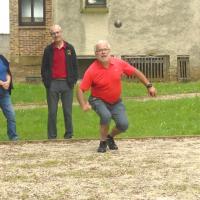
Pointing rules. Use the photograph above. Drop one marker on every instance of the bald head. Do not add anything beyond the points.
(56, 34)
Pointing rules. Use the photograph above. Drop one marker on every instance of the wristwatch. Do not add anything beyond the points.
(149, 85)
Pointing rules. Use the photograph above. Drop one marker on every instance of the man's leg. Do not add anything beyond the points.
(114, 132)
(52, 101)
(67, 100)
(104, 132)
(103, 137)
(120, 118)
(105, 117)
(9, 113)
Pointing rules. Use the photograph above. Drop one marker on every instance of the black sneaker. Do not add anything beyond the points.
(102, 147)
(111, 143)
(67, 136)
(15, 138)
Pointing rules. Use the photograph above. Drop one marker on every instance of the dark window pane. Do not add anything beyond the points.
(96, 2)
(38, 10)
(26, 10)
(31, 12)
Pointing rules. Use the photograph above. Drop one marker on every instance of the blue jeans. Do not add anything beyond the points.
(9, 113)
(106, 112)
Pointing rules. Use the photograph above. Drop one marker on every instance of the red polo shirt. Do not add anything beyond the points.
(59, 68)
(105, 83)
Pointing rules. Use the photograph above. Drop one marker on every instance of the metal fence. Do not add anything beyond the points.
(183, 70)
(155, 68)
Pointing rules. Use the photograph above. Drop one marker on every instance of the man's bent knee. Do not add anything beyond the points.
(105, 119)
(122, 126)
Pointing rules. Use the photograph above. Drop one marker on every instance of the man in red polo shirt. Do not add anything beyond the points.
(103, 77)
(59, 73)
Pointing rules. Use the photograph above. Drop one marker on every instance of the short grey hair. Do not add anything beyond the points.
(101, 42)
(55, 26)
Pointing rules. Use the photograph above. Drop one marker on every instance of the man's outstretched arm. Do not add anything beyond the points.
(146, 82)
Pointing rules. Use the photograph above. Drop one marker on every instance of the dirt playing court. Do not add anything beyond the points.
(145, 169)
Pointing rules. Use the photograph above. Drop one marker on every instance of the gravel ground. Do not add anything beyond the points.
(143, 169)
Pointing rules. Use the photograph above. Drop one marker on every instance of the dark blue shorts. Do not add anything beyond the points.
(107, 111)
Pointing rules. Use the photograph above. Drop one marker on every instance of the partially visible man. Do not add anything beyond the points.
(59, 73)
(5, 100)
(104, 78)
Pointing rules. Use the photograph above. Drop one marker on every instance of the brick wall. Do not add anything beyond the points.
(27, 41)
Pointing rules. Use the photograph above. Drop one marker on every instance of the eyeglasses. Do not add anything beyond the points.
(55, 33)
(102, 50)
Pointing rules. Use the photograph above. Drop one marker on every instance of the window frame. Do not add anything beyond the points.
(32, 23)
(95, 5)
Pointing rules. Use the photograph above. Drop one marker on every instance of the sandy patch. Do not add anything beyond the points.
(150, 169)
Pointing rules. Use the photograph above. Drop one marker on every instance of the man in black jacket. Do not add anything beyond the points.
(59, 73)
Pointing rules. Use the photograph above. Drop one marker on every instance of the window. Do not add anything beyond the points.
(95, 3)
(94, 6)
(183, 67)
(31, 12)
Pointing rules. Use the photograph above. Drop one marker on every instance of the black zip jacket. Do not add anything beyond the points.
(71, 64)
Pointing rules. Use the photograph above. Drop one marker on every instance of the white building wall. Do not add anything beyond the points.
(155, 27)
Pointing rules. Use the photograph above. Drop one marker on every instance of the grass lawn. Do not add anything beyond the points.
(149, 118)
(137, 89)
(35, 93)
(152, 118)
(28, 93)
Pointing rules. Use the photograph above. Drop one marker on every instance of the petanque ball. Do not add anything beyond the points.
(118, 23)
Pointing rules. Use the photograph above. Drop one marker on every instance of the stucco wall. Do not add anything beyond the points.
(157, 27)
(4, 47)
(80, 28)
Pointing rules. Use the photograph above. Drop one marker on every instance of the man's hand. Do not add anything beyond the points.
(152, 91)
(86, 107)
(5, 84)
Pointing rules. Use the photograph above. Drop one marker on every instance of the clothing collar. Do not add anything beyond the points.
(110, 63)
(64, 45)
(111, 60)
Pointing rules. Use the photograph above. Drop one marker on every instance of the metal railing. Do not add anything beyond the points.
(183, 69)
(155, 68)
